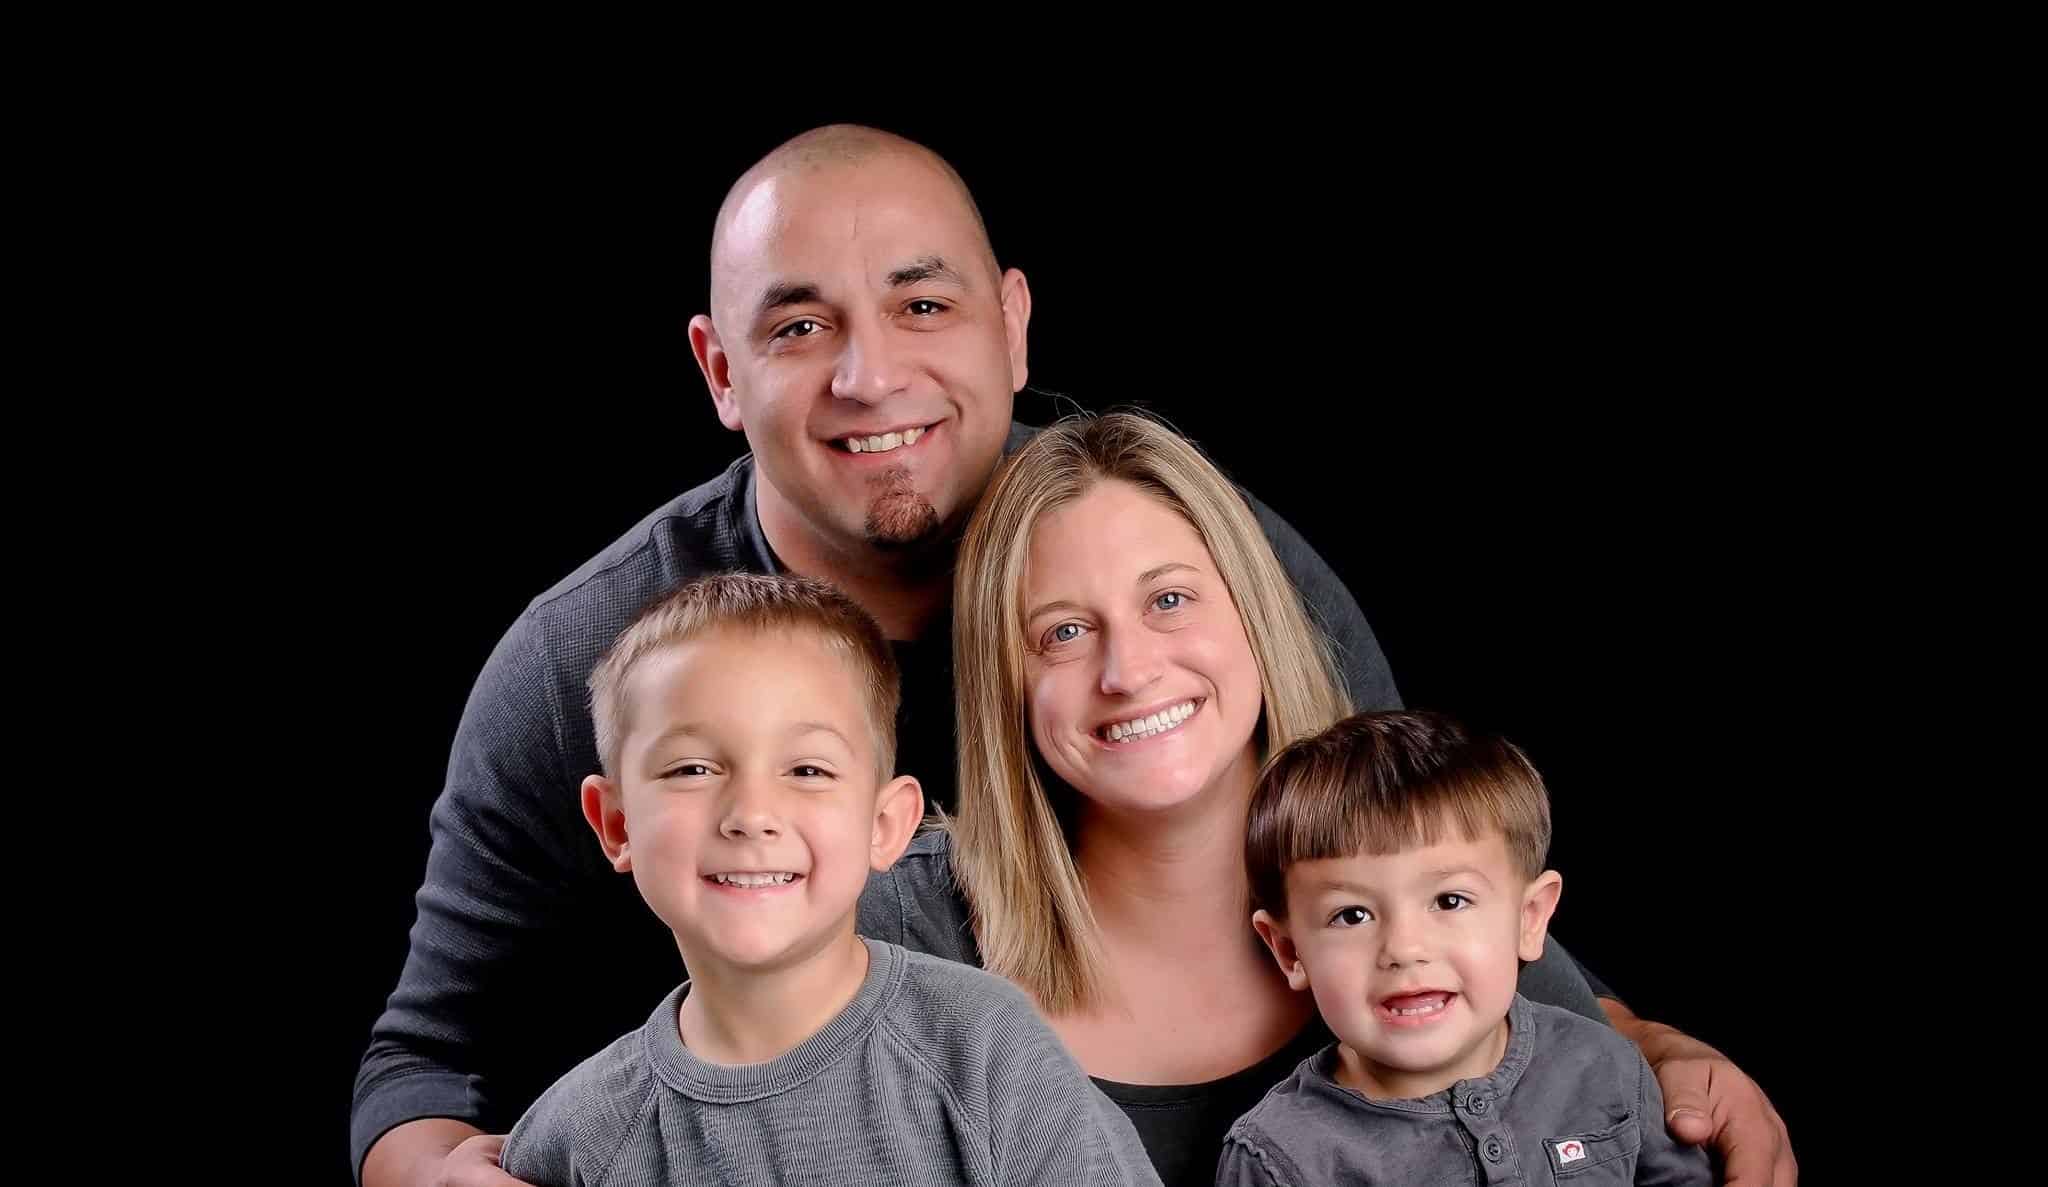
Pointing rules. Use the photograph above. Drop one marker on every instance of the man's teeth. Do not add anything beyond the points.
(751, 880)
(1156, 723)
(883, 443)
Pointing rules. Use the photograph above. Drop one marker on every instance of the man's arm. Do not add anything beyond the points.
(439, 1152)
(510, 868)
(1708, 1098)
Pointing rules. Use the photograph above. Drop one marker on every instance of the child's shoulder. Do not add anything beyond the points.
(1559, 1028)
(1309, 1078)
(949, 985)
(1573, 1053)
(589, 1110)
(958, 1015)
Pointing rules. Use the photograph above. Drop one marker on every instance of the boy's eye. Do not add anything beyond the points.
(808, 772)
(1452, 901)
(1351, 917)
(690, 770)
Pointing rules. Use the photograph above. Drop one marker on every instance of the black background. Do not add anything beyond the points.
(1530, 377)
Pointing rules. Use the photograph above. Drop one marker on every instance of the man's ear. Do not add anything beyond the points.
(898, 808)
(717, 368)
(1539, 902)
(1281, 945)
(1017, 326)
(606, 815)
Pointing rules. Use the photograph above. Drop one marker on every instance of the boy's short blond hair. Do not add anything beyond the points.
(758, 602)
(1379, 783)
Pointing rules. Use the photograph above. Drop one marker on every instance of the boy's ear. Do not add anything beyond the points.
(898, 808)
(1281, 945)
(1538, 903)
(607, 818)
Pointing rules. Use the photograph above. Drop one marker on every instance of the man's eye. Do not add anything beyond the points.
(802, 328)
(925, 308)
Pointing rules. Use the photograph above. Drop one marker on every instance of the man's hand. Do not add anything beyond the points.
(437, 1152)
(1707, 1098)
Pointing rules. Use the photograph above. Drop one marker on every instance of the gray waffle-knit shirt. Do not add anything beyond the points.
(1571, 1102)
(935, 1073)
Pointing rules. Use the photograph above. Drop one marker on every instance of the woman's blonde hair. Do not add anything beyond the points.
(1011, 850)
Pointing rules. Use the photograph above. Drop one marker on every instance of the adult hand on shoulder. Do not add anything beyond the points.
(1708, 1099)
(474, 1163)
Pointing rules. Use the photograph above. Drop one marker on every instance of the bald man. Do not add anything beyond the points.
(864, 339)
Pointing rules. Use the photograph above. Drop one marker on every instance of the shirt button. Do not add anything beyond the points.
(1492, 1149)
(1478, 1106)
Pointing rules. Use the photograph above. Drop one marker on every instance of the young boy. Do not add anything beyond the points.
(746, 726)
(1397, 864)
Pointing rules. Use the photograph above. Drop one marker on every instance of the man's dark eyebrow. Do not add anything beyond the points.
(927, 268)
(784, 294)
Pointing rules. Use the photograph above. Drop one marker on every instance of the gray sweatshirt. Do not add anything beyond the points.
(934, 1073)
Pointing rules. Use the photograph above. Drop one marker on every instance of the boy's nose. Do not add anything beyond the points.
(1402, 944)
(748, 824)
(750, 812)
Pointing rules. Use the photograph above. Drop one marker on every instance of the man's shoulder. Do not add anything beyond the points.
(704, 530)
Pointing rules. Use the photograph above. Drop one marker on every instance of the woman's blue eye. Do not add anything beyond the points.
(1167, 601)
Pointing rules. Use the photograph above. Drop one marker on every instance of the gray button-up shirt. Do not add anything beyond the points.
(1572, 1103)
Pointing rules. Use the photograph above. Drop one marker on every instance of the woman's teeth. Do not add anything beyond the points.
(1150, 725)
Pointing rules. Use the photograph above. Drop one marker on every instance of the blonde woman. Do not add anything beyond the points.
(1126, 651)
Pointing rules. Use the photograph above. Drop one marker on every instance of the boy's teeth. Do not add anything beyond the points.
(753, 879)
(1147, 726)
(885, 442)
(1417, 1003)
